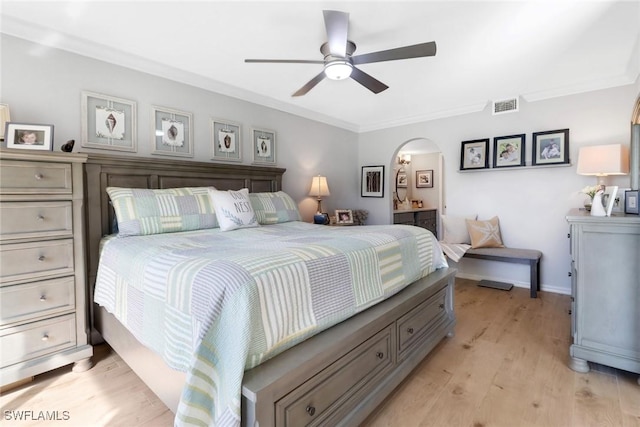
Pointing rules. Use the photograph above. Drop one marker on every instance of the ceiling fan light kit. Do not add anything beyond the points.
(338, 69)
(339, 62)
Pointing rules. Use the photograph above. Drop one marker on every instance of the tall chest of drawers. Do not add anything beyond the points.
(43, 307)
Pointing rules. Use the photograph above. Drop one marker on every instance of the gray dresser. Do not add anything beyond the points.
(605, 288)
(43, 312)
(425, 218)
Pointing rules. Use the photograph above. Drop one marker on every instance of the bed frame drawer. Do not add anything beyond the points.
(316, 400)
(36, 300)
(417, 322)
(36, 339)
(25, 261)
(23, 220)
(20, 177)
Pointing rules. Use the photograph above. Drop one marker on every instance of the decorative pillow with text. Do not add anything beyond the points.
(233, 209)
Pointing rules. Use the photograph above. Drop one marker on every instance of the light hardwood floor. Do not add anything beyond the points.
(506, 366)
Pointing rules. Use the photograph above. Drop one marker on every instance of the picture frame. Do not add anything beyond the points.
(264, 146)
(509, 151)
(401, 180)
(632, 202)
(609, 198)
(344, 216)
(474, 154)
(424, 178)
(172, 132)
(550, 147)
(618, 203)
(226, 140)
(372, 181)
(29, 136)
(108, 122)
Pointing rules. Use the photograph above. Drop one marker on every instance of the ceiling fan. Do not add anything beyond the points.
(339, 62)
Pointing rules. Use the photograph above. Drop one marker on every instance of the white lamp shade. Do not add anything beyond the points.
(603, 160)
(319, 187)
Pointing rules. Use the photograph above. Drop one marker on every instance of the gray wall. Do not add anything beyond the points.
(531, 203)
(43, 85)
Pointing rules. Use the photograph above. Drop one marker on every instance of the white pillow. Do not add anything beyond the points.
(455, 229)
(233, 209)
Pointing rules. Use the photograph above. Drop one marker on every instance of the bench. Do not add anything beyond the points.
(516, 256)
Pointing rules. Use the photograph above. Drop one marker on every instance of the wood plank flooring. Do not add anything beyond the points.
(506, 366)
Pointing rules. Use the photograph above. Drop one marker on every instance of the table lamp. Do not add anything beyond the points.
(319, 189)
(603, 161)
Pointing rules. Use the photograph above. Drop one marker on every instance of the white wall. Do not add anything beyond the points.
(43, 85)
(530, 202)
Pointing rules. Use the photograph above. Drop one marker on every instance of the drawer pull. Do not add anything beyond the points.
(40, 218)
(380, 355)
(45, 337)
(441, 306)
(39, 176)
(43, 298)
(41, 258)
(409, 330)
(569, 274)
(311, 410)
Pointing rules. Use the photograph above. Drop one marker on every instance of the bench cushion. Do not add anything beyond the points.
(506, 253)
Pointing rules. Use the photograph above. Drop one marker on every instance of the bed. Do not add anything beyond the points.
(333, 367)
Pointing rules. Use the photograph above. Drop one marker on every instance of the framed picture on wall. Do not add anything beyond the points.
(401, 180)
(509, 151)
(550, 147)
(474, 154)
(424, 179)
(108, 122)
(372, 181)
(172, 132)
(226, 140)
(264, 146)
(29, 136)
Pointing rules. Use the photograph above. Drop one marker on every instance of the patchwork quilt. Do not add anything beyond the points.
(214, 303)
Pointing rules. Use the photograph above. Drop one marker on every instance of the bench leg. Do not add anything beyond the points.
(534, 278)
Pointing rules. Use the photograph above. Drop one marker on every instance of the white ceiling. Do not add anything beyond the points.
(486, 50)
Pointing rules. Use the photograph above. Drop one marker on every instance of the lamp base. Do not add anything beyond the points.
(321, 218)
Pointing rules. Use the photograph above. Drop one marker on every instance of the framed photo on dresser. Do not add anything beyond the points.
(27, 136)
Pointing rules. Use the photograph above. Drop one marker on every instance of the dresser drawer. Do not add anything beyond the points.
(404, 218)
(419, 321)
(20, 177)
(22, 220)
(27, 261)
(29, 300)
(316, 400)
(37, 339)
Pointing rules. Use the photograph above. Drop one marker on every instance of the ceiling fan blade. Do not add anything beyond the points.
(337, 25)
(310, 85)
(414, 51)
(284, 61)
(374, 85)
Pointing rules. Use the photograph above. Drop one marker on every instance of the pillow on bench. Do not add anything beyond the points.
(485, 234)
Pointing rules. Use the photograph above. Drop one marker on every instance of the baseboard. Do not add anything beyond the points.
(517, 284)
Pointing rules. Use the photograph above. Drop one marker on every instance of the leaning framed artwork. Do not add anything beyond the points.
(632, 202)
(108, 122)
(550, 147)
(401, 180)
(424, 179)
(474, 154)
(29, 136)
(226, 140)
(508, 151)
(264, 146)
(372, 181)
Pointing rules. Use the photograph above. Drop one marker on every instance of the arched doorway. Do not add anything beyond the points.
(417, 175)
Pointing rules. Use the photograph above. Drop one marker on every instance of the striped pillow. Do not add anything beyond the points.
(274, 208)
(141, 211)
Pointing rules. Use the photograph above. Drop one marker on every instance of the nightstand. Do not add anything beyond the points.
(43, 317)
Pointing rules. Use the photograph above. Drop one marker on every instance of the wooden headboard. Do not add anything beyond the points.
(102, 171)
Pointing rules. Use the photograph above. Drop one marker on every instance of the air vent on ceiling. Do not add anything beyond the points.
(505, 106)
